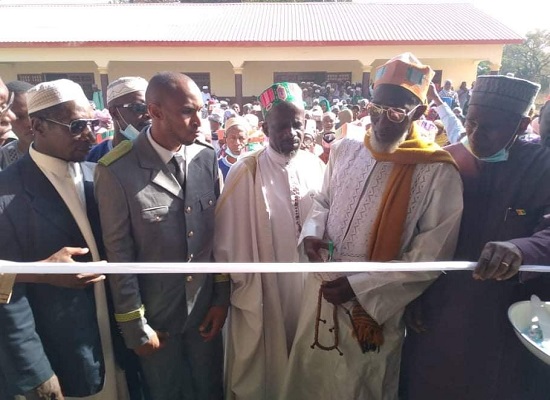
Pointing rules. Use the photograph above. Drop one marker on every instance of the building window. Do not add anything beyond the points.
(338, 77)
(319, 78)
(200, 78)
(33, 79)
(86, 80)
(299, 77)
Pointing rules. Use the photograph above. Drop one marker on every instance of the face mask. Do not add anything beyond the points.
(499, 156)
(130, 132)
(230, 153)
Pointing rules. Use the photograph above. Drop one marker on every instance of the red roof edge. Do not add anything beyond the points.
(250, 43)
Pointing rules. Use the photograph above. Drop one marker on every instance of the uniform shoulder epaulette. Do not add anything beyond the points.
(120, 150)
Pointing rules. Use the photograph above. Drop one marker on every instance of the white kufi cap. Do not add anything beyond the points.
(49, 94)
(125, 85)
(237, 121)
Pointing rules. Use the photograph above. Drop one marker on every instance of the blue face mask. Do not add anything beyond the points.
(130, 132)
(499, 156)
(230, 153)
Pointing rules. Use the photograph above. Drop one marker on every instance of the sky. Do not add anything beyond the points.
(530, 16)
(522, 19)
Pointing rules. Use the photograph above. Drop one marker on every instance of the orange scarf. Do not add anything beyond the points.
(389, 224)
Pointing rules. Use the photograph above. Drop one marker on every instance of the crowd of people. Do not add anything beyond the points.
(294, 177)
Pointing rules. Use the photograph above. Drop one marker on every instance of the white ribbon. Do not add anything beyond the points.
(228, 268)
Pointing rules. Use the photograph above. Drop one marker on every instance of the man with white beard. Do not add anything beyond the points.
(389, 197)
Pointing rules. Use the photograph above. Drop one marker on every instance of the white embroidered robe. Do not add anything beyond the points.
(344, 212)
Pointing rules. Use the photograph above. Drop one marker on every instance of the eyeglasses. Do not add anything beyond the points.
(396, 115)
(77, 126)
(8, 105)
(138, 108)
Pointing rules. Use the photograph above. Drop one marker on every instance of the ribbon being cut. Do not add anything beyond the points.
(228, 268)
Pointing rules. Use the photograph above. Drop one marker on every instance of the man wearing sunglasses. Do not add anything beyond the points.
(388, 197)
(55, 333)
(126, 104)
(505, 225)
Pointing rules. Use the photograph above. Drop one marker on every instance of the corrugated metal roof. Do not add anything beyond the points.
(251, 23)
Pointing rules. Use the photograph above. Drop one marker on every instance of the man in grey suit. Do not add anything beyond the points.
(156, 198)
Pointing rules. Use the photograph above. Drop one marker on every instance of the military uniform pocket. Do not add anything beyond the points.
(155, 214)
(208, 200)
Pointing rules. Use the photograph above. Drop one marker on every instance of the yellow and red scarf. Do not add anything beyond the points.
(389, 225)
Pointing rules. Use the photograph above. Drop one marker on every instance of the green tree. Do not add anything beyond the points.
(530, 59)
(484, 68)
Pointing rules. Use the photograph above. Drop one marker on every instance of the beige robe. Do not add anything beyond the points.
(256, 222)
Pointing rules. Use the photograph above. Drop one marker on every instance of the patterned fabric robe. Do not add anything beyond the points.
(344, 212)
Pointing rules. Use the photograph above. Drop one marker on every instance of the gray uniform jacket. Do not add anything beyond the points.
(147, 217)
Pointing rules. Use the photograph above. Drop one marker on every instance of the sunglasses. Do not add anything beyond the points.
(78, 126)
(396, 115)
(8, 105)
(138, 108)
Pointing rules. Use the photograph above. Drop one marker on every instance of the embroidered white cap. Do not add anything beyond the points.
(125, 85)
(49, 94)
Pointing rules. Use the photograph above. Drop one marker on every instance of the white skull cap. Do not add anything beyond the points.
(125, 85)
(49, 94)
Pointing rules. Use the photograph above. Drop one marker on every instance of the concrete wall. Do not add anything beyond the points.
(458, 62)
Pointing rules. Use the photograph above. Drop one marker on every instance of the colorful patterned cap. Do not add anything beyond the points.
(504, 93)
(49, 94)
(282, 92)
(406, 71)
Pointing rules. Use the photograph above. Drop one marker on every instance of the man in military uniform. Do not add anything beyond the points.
(157, 197)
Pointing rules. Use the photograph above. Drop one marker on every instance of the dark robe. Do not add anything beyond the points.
(470, 350)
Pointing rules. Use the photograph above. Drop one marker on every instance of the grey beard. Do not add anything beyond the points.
(386, 148)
